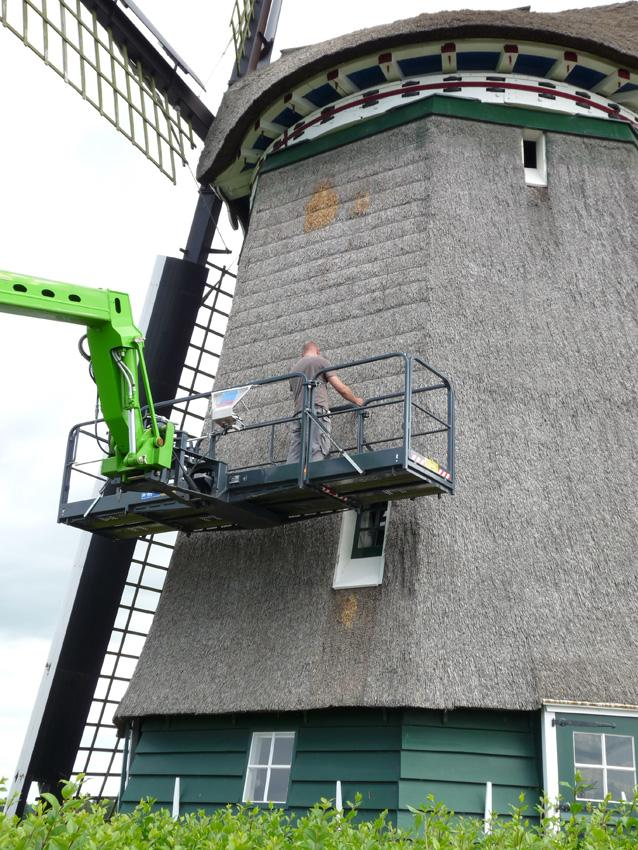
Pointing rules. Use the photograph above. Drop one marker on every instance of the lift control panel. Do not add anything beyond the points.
(223, 407)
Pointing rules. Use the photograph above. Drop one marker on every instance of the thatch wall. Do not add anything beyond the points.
(523, 585)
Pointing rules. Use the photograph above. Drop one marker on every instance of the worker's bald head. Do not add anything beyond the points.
(311, 348)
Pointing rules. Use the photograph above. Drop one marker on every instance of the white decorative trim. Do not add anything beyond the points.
(593, 102)
(551, 784)
(606, 709)
(491, 88)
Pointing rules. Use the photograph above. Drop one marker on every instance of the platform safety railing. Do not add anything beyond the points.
(188, 449)
(410, 398)
(405, 397)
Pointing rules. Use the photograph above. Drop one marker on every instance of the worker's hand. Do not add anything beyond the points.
(358, 401)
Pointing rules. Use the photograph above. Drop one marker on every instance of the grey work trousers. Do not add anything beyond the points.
(319, 440)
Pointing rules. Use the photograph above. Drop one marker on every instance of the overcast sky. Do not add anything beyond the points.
(78, 203)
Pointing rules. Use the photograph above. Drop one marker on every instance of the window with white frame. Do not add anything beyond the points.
(534, 157)
(361, 553)
(606, 765)
(269, 763)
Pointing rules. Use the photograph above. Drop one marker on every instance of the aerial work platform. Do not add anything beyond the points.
(399, 445)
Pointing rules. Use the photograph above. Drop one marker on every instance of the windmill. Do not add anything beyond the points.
(323, 130)
(115, 58)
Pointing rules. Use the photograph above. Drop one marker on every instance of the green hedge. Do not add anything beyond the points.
(78, 824)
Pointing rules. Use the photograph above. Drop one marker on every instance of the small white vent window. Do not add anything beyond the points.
(269, 763)
(361, 555)
(534, 158)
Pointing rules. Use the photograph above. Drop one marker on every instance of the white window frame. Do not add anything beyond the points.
(256, 736)
(535, 176)
(357, 572)
(551, 782)
(604, 765)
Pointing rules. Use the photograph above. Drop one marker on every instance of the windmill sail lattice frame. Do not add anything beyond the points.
(115, 69)
(240, 23)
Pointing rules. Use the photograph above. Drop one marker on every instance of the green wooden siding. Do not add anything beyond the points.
(453, 740)
(194, 741)
(375, 738)
(206, 792)
(452, 755)
(210, 754)
(393, 759)
(377, 796)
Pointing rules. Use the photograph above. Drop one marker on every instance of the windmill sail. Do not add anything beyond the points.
(102, 54)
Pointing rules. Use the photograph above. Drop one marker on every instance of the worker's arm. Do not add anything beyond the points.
(344, 390)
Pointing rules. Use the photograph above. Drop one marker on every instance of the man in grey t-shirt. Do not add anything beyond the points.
(311, 362)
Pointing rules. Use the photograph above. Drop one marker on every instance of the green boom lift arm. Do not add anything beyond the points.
(116, 348)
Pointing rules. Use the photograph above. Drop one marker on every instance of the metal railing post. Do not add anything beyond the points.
(304, 425)
(407, 410)
(271, 452)
(69, 460)
(450, 435)
(360, 426)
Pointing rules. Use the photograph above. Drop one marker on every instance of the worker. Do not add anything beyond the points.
(311, 362)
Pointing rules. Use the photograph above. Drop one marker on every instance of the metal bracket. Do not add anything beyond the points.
(563, 721)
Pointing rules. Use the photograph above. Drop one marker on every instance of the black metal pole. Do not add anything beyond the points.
(203, 226)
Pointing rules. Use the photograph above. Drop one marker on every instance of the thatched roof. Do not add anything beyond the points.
(606, 31)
